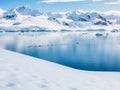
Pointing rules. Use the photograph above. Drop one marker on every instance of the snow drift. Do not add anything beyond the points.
(20, 72)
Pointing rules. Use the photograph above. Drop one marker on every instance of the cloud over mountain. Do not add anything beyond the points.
(54, 1)
(114, 2)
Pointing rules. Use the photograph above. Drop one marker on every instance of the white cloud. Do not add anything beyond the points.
(96, 0)
(115, 2)
(54, 1)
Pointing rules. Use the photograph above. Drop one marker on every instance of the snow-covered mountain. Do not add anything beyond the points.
(1, 11)
(26, 18)
(24, 10)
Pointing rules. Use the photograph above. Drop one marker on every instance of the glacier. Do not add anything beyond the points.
(23, 17)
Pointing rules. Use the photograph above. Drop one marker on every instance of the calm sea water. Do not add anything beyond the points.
(81, 50)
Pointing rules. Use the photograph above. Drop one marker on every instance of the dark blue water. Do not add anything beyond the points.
(81, 50)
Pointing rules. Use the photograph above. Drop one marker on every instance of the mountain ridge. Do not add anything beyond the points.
(24, 18)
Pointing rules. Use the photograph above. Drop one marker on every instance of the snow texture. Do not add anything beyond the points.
(20, 72)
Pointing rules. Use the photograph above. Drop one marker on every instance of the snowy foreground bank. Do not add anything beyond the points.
(20, 72)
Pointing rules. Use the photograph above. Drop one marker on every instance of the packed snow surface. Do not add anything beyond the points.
(20, 72)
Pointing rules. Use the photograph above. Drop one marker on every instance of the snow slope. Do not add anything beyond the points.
(20, 72)
(23, 17)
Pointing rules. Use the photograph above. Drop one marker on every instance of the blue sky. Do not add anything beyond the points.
(63, 5)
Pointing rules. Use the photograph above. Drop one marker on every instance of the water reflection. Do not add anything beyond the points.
(81, 50)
